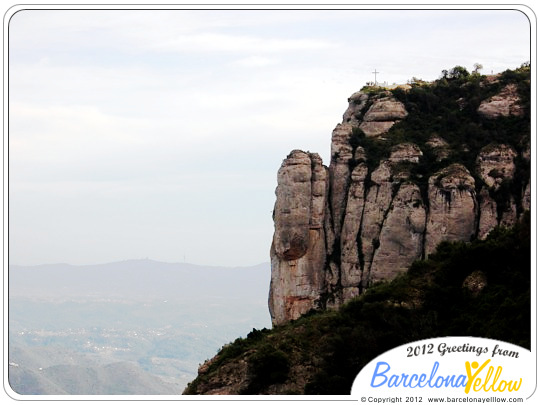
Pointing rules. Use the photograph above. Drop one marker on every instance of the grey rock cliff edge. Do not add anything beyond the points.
(339, 230)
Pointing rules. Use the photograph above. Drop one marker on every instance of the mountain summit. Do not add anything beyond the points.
(410, 167)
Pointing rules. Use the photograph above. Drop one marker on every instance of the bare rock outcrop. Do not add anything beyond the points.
(376, 207)
(353, 114)
(487, 214)
(452, 207)
(298, 248)
(342, 153)
(386, 109)
(504, 104)
(405, 152)
(401, 238)
(495, 163)
(363, 221)
(382, 115)
(351, 268)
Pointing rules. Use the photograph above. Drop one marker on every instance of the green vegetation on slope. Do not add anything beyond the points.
(322, 352)
(447, 108)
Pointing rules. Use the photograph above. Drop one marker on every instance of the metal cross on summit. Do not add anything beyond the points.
(375, 72)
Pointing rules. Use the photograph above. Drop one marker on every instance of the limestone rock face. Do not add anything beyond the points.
(318, 192)
(401, 238)
(504, 104)
(488, 214)
(386, 109)
(339, 170)
(495, 163)
(298, 247)
(382, 115)
(361, 221)
(292, 208)
(376, 206)
(356, 103)
(375, 128)
(351, 268)
(405, 152)
(452, 207)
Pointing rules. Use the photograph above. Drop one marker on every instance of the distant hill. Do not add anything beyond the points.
(76, 374)
(138, 279)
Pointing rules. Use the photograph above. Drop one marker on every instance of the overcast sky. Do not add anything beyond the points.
(159, 134)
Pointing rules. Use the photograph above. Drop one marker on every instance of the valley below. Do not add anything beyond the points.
(137, 327)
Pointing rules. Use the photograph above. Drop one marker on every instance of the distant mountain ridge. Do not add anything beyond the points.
(136, 278)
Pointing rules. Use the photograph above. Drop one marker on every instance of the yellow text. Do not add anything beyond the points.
(477, 383)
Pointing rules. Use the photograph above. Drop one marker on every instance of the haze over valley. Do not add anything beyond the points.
(131, 327)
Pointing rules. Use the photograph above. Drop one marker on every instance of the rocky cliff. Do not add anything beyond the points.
(444, 161)
(409, 168)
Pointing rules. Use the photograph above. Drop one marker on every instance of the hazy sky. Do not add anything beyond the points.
(159, 134)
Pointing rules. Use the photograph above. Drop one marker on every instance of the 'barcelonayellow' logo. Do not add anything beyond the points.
(455, 366)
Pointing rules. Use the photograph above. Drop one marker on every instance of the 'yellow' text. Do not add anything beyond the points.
(477, 383)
